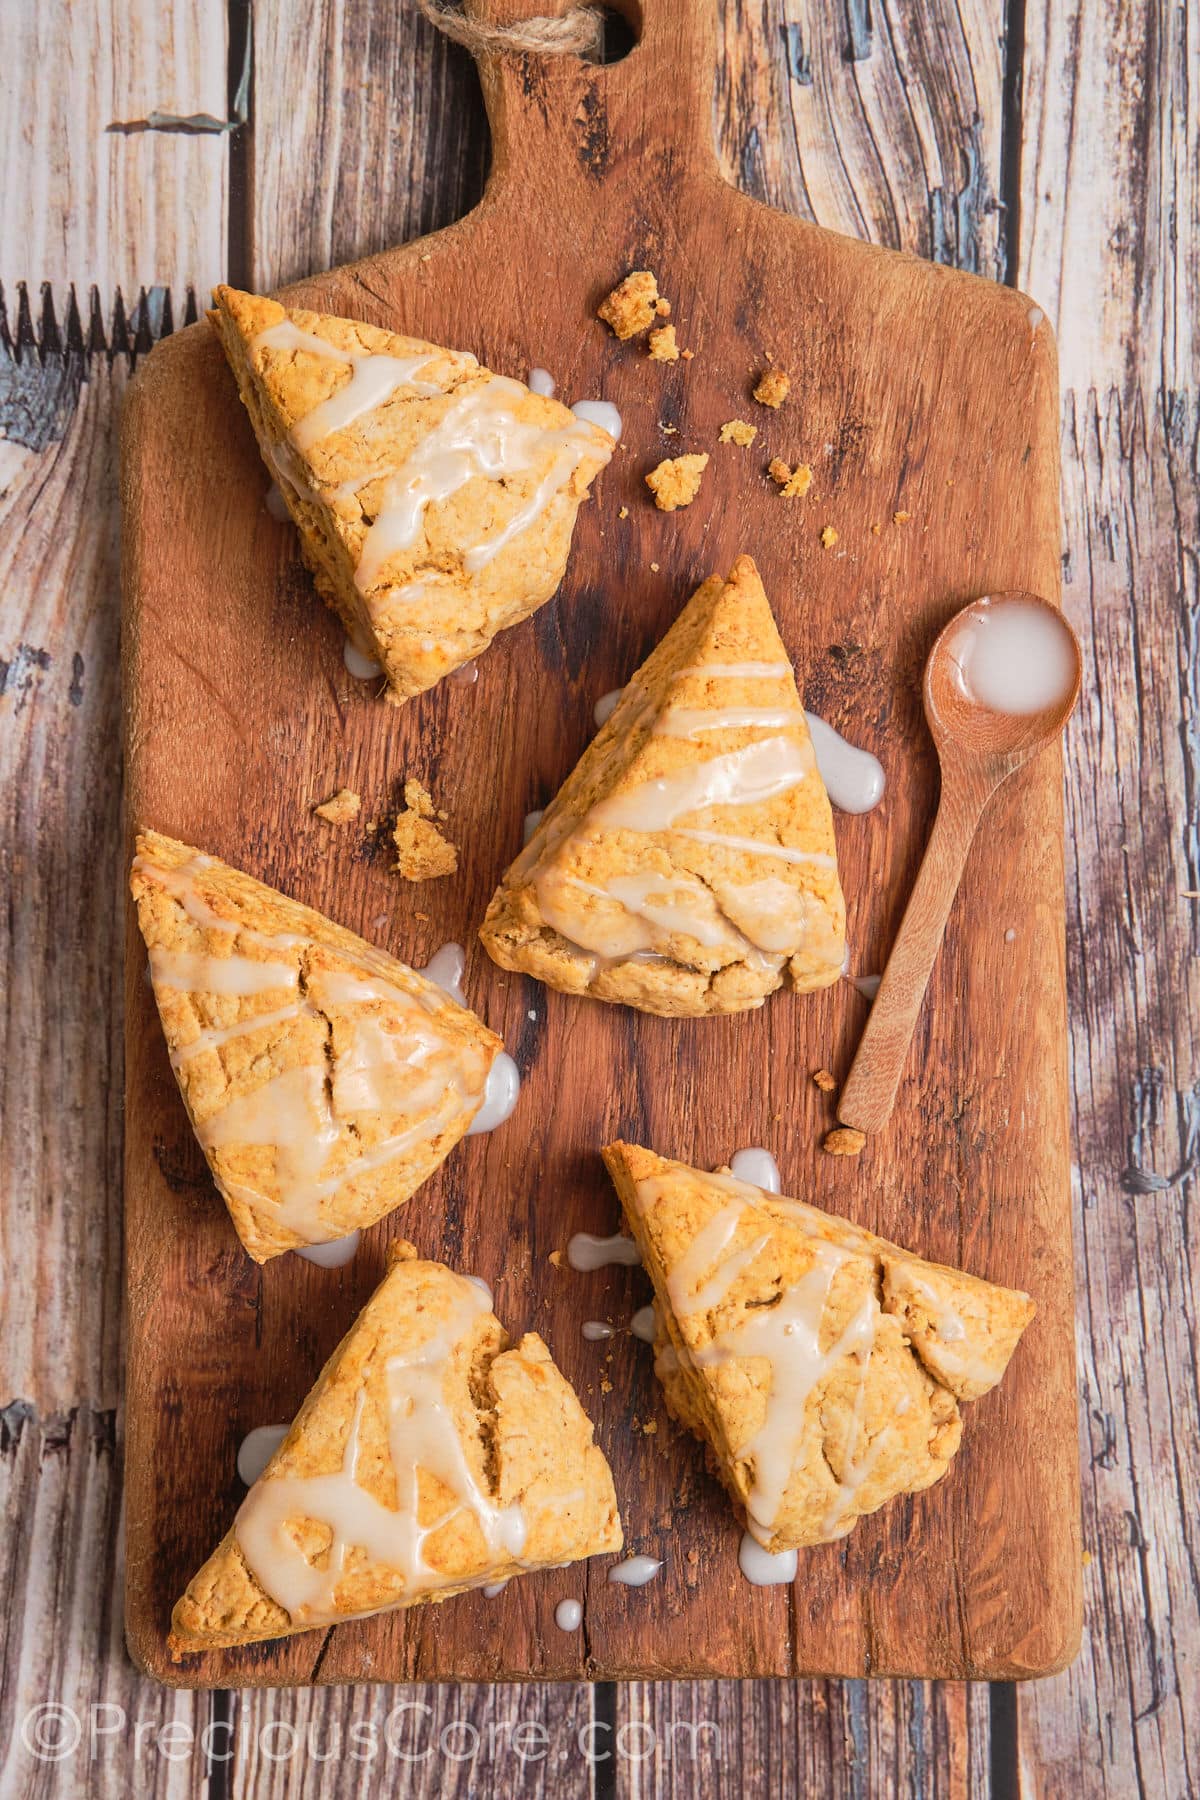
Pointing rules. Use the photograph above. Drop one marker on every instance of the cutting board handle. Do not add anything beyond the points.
(559, 122)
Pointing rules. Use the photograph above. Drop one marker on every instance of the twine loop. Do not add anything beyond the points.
(576, 33)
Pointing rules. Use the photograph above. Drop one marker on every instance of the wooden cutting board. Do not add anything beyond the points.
(916, 391)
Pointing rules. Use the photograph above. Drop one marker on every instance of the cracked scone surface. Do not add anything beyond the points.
(821, 1366)
(435, 501)
(325, 1080)
(687, 864)
(430, 1457)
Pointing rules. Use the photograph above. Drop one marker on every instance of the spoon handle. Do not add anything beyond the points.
(869, 1093)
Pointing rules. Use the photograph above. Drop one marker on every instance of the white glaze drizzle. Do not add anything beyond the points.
(740, 671)
(568, 1615)
(358, 663)
(758, 922)
(479, 436)
(635, 1571)
(1013, 656)
(446, 968)
(606, 706)
(854, 779)
(542, 382)
(256, 1450)
(378, 1070)
(787, 1335)
(587, 1252)
(421, 1435)
(762, 1568)
(745, 777)
(500, 1095)
(758, 1167)
(333, 1255)
(596, 1331)
(644, 1324)
(602, 413)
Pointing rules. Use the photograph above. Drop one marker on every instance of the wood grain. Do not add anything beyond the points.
(105, 202)
(1118, 260)
(896, 361)
(1097, 89)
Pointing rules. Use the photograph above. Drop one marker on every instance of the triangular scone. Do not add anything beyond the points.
(325, 1080)
(435, 500)
(429, 1457)
(822, 1366)
(687, 863)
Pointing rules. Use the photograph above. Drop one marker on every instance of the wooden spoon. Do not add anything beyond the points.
(978, 749)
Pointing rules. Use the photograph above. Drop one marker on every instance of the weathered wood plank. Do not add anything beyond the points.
(1062, 1730)
(1116, 262)
(433, 1743)
(90, 195)
(389, 144)
(851, 1740)
(75, 1718)
(60, 1080)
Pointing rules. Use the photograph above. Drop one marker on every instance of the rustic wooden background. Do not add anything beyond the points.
(1054, 147)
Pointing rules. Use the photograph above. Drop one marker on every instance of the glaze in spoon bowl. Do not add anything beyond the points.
(964, 724)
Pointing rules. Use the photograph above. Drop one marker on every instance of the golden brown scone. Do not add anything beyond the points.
(430, 1457)
(821, 1366)
(325, 1080)
(435, 501)
(686, 865)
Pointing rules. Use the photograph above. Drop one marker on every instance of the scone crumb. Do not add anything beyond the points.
(688, 355)
(794, 483)
(662, 307)
(624, 513)
(654, 568)
(824, 1080)
(676, 482)
(632, 305)
(606, 1386)
(875, 530)
(556, 1257)
(422, 853)
(340, 808)
(663, 347)
(649, 1428)
(844, 1140)
(829, 537)
(772, 388)
(901, 518)
(418, 799)
(736, 431)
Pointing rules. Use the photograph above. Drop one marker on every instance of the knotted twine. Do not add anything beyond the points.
(577, 33)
